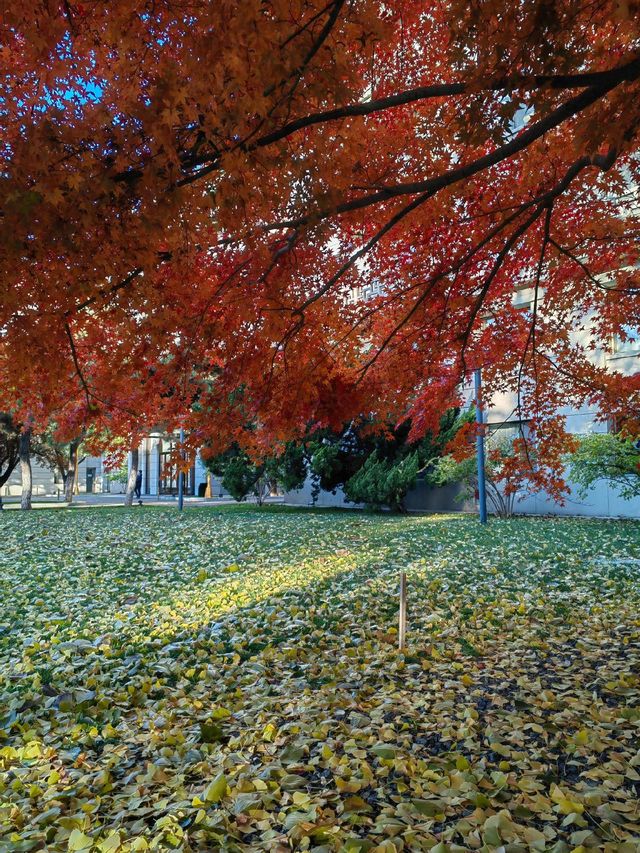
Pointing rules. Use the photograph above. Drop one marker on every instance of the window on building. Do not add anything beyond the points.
(507, 432)
(629, 344)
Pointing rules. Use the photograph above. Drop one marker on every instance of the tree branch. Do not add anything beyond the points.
(567, 110)
(104, 293)
(76, 362)
(608, 78)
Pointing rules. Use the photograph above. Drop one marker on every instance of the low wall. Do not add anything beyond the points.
(602, 501)
(423, 498)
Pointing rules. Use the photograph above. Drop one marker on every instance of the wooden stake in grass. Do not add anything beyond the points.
(402, 627)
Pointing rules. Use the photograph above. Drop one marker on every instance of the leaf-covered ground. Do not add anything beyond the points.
(229, 679)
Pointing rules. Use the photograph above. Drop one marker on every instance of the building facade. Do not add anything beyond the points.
(160, 474)
(93, 478)
(604, 499)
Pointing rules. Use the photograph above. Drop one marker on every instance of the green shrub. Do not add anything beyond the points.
(383, 482)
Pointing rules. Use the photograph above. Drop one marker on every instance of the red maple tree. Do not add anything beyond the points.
(190, 196)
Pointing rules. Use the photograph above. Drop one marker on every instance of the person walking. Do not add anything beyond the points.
(137, 491)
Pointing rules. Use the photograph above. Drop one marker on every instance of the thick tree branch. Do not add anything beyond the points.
(76, 363)
(608, 78)
(554, 119)
(208, 163)
(604, 80)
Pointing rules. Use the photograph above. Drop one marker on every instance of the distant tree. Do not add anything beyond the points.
(289, 469)
(51, 453)
(242, 476)
(120, 474)
(605, 456)
(60, 457)
(9, 448)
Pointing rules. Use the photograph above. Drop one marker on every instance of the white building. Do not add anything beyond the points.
(160, 475)
(92, 479)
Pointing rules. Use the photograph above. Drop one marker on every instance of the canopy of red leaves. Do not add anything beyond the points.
(191, 195)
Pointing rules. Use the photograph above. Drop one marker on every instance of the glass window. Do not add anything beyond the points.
(630, 343)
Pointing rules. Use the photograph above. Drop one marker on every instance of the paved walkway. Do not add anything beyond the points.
(83, 501)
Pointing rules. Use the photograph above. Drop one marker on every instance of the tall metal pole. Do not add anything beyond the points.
(181, 476)
(482, 488)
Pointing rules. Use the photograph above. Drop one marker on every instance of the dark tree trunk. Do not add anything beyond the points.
(133, 473)
(25, 469)
(72, 468)
(10, 463)
(10, 434)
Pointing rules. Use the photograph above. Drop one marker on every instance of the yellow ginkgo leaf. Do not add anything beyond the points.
(79, 841)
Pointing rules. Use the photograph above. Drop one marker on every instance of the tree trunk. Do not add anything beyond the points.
(4, 475)
(133, 473)
(72, 467)
(25, 469)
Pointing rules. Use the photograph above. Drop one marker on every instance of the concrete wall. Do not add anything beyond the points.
(42, 478)
(423, 499)
(602, 500)
(303, 497)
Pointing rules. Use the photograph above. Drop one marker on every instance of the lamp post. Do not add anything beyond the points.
(482, 489)
(181, 475)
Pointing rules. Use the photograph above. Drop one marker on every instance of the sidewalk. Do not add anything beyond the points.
(83, 501)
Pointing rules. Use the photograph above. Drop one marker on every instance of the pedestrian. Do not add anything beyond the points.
(138, 487)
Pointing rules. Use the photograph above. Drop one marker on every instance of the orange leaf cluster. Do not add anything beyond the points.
(191, 197)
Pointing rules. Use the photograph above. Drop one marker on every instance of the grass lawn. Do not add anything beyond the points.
(229, 679)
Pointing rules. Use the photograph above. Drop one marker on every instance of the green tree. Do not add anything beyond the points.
(503, 479)
(289, 469)
(383, 482)
(604, 456)
(241, 476)
(338, 460)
